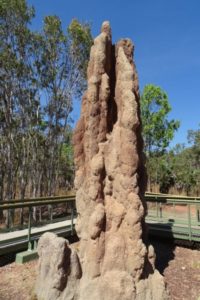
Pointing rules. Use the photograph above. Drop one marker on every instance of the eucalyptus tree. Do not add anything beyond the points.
(17, 91)
(61, 63)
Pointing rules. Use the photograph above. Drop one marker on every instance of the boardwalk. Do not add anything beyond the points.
(18, 239)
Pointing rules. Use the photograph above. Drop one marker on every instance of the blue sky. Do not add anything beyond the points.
(166, 35)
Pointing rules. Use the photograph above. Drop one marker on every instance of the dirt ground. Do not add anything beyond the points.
(17, 281)
(179, 265)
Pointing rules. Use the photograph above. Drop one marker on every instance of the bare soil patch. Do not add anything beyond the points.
(17, 281)
(180, 267)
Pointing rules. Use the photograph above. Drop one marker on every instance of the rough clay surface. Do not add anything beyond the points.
(114, 261)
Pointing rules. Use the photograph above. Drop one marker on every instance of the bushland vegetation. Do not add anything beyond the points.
(174, 170)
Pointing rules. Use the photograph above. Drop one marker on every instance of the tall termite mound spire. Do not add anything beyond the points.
(113, 262)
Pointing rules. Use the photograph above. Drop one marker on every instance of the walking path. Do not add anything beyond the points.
(18, 239)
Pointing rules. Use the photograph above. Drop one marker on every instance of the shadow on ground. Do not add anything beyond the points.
(164, 249)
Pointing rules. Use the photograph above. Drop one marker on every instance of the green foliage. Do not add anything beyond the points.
(160, 169)
(185, 164)
(178, 168)
(81, 42)
(194, 140)
(180, 160)
(158, 131)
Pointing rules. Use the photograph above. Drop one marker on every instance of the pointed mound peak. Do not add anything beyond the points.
(106, 28)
